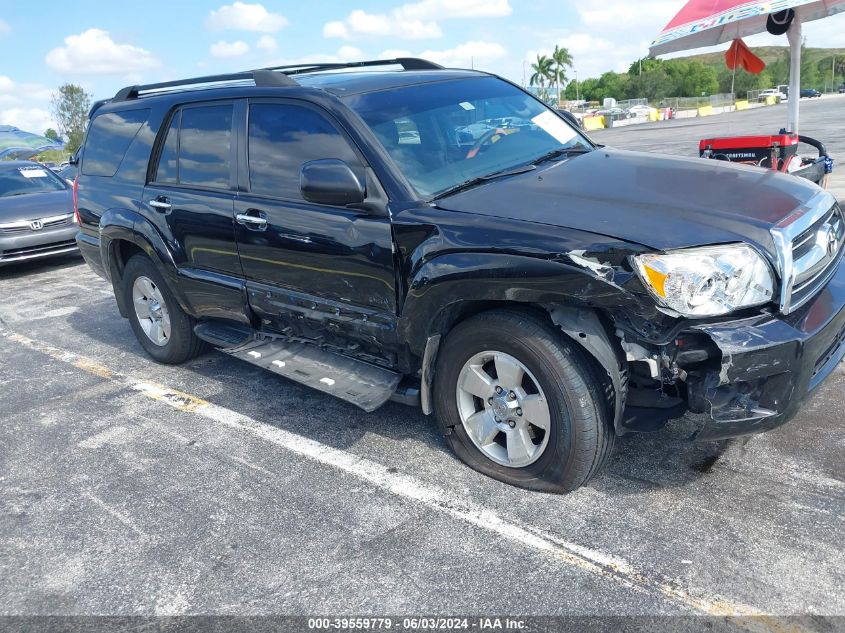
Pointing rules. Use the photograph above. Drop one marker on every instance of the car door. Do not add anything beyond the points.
(317, 269)
(191, 199)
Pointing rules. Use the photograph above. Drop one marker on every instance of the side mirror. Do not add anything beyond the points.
(72, 159)
(330, 181)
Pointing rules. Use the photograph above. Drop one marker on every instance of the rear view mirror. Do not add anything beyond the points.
(330, 181)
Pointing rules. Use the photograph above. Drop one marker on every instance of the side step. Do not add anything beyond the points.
(224, 335)
(364, 385)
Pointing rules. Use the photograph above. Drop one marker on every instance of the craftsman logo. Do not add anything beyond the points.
(36, 225)
(741, 155)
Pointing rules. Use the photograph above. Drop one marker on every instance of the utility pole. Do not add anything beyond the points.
(833, 74)
(577, 93)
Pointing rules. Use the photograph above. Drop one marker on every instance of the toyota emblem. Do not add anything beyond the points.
(36, 225)
(832, 241)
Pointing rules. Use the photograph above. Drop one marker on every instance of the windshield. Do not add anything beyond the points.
(18, 180)
(443, 134)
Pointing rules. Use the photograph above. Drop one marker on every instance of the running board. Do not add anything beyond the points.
(364, 385)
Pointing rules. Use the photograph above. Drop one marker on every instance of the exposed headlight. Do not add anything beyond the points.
(709, 281)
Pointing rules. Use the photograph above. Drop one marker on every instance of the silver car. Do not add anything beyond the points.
(36, 213)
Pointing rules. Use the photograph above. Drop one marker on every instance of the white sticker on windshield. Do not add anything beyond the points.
(555, 126)
(33, 173)
(466, 105)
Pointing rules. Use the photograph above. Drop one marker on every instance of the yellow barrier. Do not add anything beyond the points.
(742, 105)
(593, 123)
(653, 115)
(705, 111)
(771, 100)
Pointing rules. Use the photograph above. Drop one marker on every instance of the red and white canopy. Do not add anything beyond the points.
(710, 22)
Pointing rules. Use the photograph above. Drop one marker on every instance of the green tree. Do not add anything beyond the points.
(541, 74)
(561, 60)
(51, 134)
(70, 107)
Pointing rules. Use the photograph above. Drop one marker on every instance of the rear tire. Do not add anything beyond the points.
(535, 365)
(162, 328)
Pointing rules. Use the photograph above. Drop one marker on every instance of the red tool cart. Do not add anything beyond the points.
(779, 152)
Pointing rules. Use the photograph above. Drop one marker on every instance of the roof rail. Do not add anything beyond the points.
(261, 77)
(407, 63)
(274, 75)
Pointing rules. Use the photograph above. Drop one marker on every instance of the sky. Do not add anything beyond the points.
(104, 45)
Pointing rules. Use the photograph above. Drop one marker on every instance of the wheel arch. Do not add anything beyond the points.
(124, 234)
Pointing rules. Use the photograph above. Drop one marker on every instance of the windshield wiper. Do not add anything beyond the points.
(480, 180)
(563, 151)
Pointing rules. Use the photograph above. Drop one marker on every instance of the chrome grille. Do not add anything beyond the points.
(25, 226)
(810, 244)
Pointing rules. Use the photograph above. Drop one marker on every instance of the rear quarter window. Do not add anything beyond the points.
(108, 139)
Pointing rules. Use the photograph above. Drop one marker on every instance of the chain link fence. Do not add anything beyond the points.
(693, 103)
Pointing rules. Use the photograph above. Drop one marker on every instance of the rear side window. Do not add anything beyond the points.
(196, 150)
(281, 139)
(108, 139)
(167, 163)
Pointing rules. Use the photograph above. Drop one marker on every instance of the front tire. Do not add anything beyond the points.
(162, 328)
(522, 404)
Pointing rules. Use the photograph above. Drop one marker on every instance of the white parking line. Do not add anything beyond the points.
(578, 556)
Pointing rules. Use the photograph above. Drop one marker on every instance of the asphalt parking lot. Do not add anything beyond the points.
(128, 487)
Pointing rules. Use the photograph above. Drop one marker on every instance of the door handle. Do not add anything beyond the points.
(251, 221)
(161, 204)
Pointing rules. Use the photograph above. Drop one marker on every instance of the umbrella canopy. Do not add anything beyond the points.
(710, 22)
(15, 143)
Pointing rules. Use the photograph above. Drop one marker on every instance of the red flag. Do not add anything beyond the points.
(740, 55)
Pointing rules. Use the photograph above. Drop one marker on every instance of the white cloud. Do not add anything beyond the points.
(393, 53)
(468, 54)
(267, 43)
(337, 29)
(94, 51)
(25, 105)
(224, 49)
(35, 120)
(343, 54)
(414, 21)
(455, 9)
(4, 27)
(629, 15)
(241, 16)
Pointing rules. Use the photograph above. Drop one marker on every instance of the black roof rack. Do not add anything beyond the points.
(274, 76)
(407, 63)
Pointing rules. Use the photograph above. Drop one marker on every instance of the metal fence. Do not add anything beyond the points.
(692, 103)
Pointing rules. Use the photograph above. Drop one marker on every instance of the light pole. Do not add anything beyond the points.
(577, 93)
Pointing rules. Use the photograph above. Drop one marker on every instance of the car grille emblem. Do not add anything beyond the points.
(36, 225)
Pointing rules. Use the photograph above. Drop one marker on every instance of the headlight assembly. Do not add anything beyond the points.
(708, 281)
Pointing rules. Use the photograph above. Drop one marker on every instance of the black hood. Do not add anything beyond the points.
(663, 202)
(31, 206)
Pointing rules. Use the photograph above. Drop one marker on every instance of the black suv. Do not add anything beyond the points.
(444, 239)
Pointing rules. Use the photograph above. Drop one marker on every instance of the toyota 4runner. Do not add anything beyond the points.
(442, 238)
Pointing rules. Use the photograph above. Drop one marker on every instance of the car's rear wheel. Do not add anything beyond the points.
(522, 404)
(162, 328)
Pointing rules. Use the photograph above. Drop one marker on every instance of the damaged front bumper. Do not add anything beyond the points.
(769, 364)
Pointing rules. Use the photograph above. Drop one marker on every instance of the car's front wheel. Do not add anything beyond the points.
(522, 404)
(162, 328)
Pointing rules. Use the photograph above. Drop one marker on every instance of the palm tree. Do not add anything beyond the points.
(542, 72)
(561, 60)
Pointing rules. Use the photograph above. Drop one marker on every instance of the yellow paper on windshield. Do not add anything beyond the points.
(553, 125)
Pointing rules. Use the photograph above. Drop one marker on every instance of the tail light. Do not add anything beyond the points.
(76, 217)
